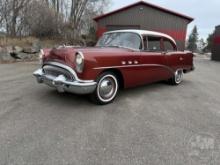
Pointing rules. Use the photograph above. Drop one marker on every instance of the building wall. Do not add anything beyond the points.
(148, 18)
(216, 44)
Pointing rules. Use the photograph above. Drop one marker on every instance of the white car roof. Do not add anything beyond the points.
(144, 32)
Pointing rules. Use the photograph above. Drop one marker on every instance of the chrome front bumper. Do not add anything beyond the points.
(61, 83)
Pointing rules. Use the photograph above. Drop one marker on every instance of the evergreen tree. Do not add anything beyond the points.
(201, 45)
(193, 40)
(209, 41)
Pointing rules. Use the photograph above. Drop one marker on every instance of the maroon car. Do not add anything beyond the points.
(121, 59)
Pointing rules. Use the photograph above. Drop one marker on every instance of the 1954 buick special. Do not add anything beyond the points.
(121, 59)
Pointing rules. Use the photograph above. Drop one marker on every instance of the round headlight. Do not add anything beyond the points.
(79, 60)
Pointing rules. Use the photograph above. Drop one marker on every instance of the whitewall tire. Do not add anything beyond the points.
(177, 78)
(106, 90)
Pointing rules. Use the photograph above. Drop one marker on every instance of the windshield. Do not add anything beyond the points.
(120, 39)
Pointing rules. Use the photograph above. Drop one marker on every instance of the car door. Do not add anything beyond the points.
(175, 59)
(152, 58)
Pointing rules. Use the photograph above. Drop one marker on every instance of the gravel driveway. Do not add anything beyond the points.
(155, 124)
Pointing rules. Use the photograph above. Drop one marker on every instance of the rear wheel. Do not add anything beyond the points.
(177, 78)
(106, 90)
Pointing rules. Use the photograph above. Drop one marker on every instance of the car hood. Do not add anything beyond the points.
(102, 50)
(67, 54)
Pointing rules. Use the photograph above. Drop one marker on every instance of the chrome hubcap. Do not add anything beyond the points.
(178, 76)
(107, 88)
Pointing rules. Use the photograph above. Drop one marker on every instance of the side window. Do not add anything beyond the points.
(154, 44)
(168, 46)
(145, 42)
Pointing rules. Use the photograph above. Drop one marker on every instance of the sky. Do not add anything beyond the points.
(206, 13)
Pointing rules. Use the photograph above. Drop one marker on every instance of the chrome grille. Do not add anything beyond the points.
(56, 71)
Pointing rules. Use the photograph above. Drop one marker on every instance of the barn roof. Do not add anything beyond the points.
(190, 19)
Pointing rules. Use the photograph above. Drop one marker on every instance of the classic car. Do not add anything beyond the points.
(121, 59)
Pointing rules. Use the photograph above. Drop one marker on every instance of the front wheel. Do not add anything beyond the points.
(177, 78)
(106, 90)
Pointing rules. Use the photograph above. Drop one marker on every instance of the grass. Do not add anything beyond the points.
(25, 41)
(28, 41)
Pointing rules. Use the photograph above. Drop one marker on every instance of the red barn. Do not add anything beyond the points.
(146, 16)
(216, 44)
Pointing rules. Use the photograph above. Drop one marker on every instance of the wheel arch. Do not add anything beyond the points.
(118, 74)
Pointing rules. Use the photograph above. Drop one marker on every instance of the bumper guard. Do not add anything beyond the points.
(63, 85)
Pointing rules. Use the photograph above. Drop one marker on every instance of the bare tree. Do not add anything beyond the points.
(1, 14)
(93, 9)
(82, 12)
(56, 5)
(77, 9)
(4, 11)
(41, 20)
(10, 13)
(66, 18)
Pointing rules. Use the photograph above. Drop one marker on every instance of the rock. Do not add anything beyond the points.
(15, 56)
(30, 50)
(36, 46)
(5, 55)
(9, 49)
(17, 49)
(12, 54)
(1, 49)
(24, 55)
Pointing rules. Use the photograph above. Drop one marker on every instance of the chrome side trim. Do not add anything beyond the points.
(139, 65)
(70, 70)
